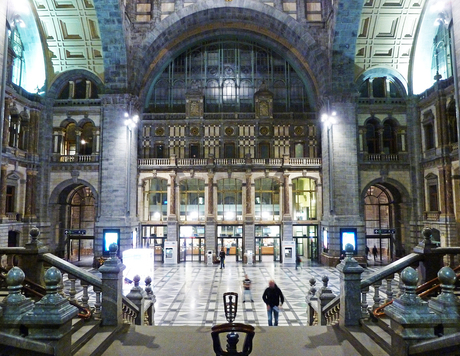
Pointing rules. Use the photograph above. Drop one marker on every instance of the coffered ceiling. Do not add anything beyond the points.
(72, 34)
(386, 34)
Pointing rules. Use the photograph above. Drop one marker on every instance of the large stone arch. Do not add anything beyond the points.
(57, 204)
(208, 20)
(402, 205)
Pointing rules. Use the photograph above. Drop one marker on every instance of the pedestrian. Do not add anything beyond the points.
(222, 258)
(297, 262)
(368, 251)
(374, 252)
(247, 289)
(274, 299)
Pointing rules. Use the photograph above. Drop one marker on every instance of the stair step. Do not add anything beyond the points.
(82, 332)
(363, 343)
(379, 332)
(100, 341)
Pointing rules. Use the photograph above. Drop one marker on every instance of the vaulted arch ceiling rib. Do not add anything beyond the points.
(386, 35)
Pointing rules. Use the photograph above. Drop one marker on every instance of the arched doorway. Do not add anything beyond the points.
(75, 222)
(380, 211)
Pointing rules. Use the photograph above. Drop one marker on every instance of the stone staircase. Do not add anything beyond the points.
(89, 338)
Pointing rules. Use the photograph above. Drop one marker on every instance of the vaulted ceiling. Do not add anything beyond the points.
(72, 34)
(385, 38)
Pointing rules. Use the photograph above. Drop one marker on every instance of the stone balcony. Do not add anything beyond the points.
(273, 163)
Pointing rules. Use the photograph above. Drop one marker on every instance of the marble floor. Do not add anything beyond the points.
(192, 293)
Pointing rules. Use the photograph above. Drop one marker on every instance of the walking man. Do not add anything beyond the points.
(274, 299)
(222, 258)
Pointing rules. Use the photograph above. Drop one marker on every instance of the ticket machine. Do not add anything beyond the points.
(170, 251)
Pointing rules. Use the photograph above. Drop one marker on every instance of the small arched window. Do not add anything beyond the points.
(372, 137)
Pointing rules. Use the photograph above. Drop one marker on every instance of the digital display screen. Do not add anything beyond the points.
(110, 237)
(348, 236)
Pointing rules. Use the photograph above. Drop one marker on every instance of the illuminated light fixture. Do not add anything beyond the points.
(83, 142)
(131, 122)
(329, 119)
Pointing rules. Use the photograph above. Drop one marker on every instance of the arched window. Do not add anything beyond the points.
(192, 200)
(389, 137)
(156, 199)
(229, 200)
(304, 198)
(86, 139)
(372, 137)
(229, 73)
(70, 147)
(17, 50)
(267, 199)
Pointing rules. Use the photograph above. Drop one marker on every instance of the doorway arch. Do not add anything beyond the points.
(384, 211)
(74, 218)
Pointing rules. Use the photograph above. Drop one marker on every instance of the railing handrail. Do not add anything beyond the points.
(387, 271)
(69, 268)
(391, 269)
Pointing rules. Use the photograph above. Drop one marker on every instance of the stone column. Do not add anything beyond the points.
(445, 190)
(6, 124)
(112, 285)
(96, 143)
(210, 228)
(172, 195)
(156, 11)
(278, 4)
(115, 177)
(78, 141)
(350, 289)
(3, 174)
(178, 4)
(341, 191)
(380, 137)
(286, 198)
(29, 212)
(301, 13)
(25, 129)
(210, 206)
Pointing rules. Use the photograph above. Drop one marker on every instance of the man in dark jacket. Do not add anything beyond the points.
(274, 299)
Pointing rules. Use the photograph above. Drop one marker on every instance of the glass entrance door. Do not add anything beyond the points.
(306, 238)
(154, 236)
(268, 243)
(191, 243)
(229, 237)
(191, 249)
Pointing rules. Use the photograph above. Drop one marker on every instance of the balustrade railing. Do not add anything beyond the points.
(271, 162)
(390, 284)
(137, 306)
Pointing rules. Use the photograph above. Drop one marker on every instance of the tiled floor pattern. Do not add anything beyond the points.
(192, 293)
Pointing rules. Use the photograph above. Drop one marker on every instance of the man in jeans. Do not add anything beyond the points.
(274, 299)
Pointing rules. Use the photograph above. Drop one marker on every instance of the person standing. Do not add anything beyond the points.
(222, 258)
(297, 262)
(274, 299)
(374, 252)
(247, 289)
